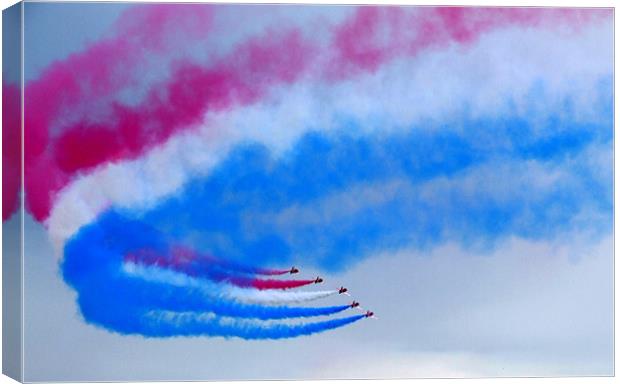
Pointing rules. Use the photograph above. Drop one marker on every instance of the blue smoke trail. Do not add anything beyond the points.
(92, 265)
(240, 200)
(195, 326)
(158, 324)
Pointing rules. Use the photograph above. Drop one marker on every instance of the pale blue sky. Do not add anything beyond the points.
(52, 31)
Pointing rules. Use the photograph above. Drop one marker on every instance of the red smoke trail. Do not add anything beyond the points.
(241, 78)
(180, 256)
(104, 68)
(375, 35)
(371, 37)
(276, 284)
(192, 263)
(185, 262)
(11, 149)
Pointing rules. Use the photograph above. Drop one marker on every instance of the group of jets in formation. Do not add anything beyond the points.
(341, 291)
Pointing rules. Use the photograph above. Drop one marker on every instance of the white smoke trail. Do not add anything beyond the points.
(255, 296)
(283, 116)
(223, 291)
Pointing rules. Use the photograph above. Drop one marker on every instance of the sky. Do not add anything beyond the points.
(450, 167)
